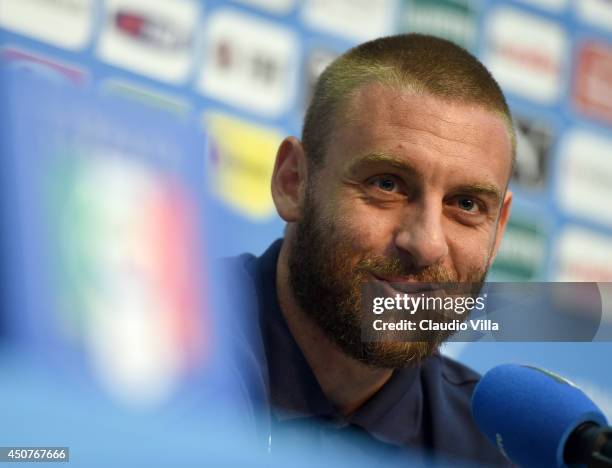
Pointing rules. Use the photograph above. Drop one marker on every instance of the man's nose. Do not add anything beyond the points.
(421, 234)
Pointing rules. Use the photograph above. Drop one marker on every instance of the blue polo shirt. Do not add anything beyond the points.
(422, 412)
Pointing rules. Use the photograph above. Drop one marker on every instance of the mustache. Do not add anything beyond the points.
(396, 269)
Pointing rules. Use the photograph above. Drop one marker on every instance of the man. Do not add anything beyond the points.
(401, 176)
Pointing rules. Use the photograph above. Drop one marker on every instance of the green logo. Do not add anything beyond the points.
(454, 20)
(521, 254)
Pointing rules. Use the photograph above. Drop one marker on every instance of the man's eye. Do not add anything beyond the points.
(467, 204)
(385, 183)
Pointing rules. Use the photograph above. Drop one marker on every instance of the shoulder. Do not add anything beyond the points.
(249, 266)
(239, 265)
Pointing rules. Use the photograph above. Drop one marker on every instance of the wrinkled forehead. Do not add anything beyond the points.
(376, 112)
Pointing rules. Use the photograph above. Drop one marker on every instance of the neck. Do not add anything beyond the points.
(346, 382)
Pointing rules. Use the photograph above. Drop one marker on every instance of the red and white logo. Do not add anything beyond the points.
(583, 255)
(526, 54)
(593, 83)
(249, 63)
(150, 37)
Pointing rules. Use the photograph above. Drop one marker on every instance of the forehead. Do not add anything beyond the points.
(378, 118)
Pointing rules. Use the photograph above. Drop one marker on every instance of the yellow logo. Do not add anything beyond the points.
(240, 161)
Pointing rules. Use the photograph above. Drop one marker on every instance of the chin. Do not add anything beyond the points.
(392, 355)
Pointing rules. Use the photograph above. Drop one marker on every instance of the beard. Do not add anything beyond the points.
(327, 279)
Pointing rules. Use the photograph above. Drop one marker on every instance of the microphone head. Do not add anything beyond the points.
(529, 413)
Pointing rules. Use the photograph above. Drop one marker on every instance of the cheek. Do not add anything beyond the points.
(365, 228)
(469, 250)
(360, 232)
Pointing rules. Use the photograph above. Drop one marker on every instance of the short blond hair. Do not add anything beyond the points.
(417, 62)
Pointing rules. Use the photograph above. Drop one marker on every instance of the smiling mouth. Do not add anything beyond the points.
(400, 285)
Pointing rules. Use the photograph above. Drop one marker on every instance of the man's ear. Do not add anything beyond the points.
(289, 179)
(504, 215)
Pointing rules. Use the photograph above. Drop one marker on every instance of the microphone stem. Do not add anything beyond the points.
(590, 445)
(602, 456)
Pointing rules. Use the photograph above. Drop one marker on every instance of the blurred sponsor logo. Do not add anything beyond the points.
(553, 5)
(526, 53)
(521, 254)
(596, 12)
(318, 59)
(583, 255)
(125, 242)
(275, 6)
(154, 31)
(64, 23)
(357, 19)
(533, 142)
(249, 63)
(593, 83)
(240, 159)
(151, 37)
(147, 96)
(584, 187)
(20, 60)
(454, 20)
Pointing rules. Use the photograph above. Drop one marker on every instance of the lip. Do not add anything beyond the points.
(401, 285)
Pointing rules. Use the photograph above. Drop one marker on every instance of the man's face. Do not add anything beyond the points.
(411, 190)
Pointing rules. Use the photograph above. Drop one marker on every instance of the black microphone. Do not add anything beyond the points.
(589, 444)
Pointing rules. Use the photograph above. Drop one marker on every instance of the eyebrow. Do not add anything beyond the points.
(485, 189)
(377, 158)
